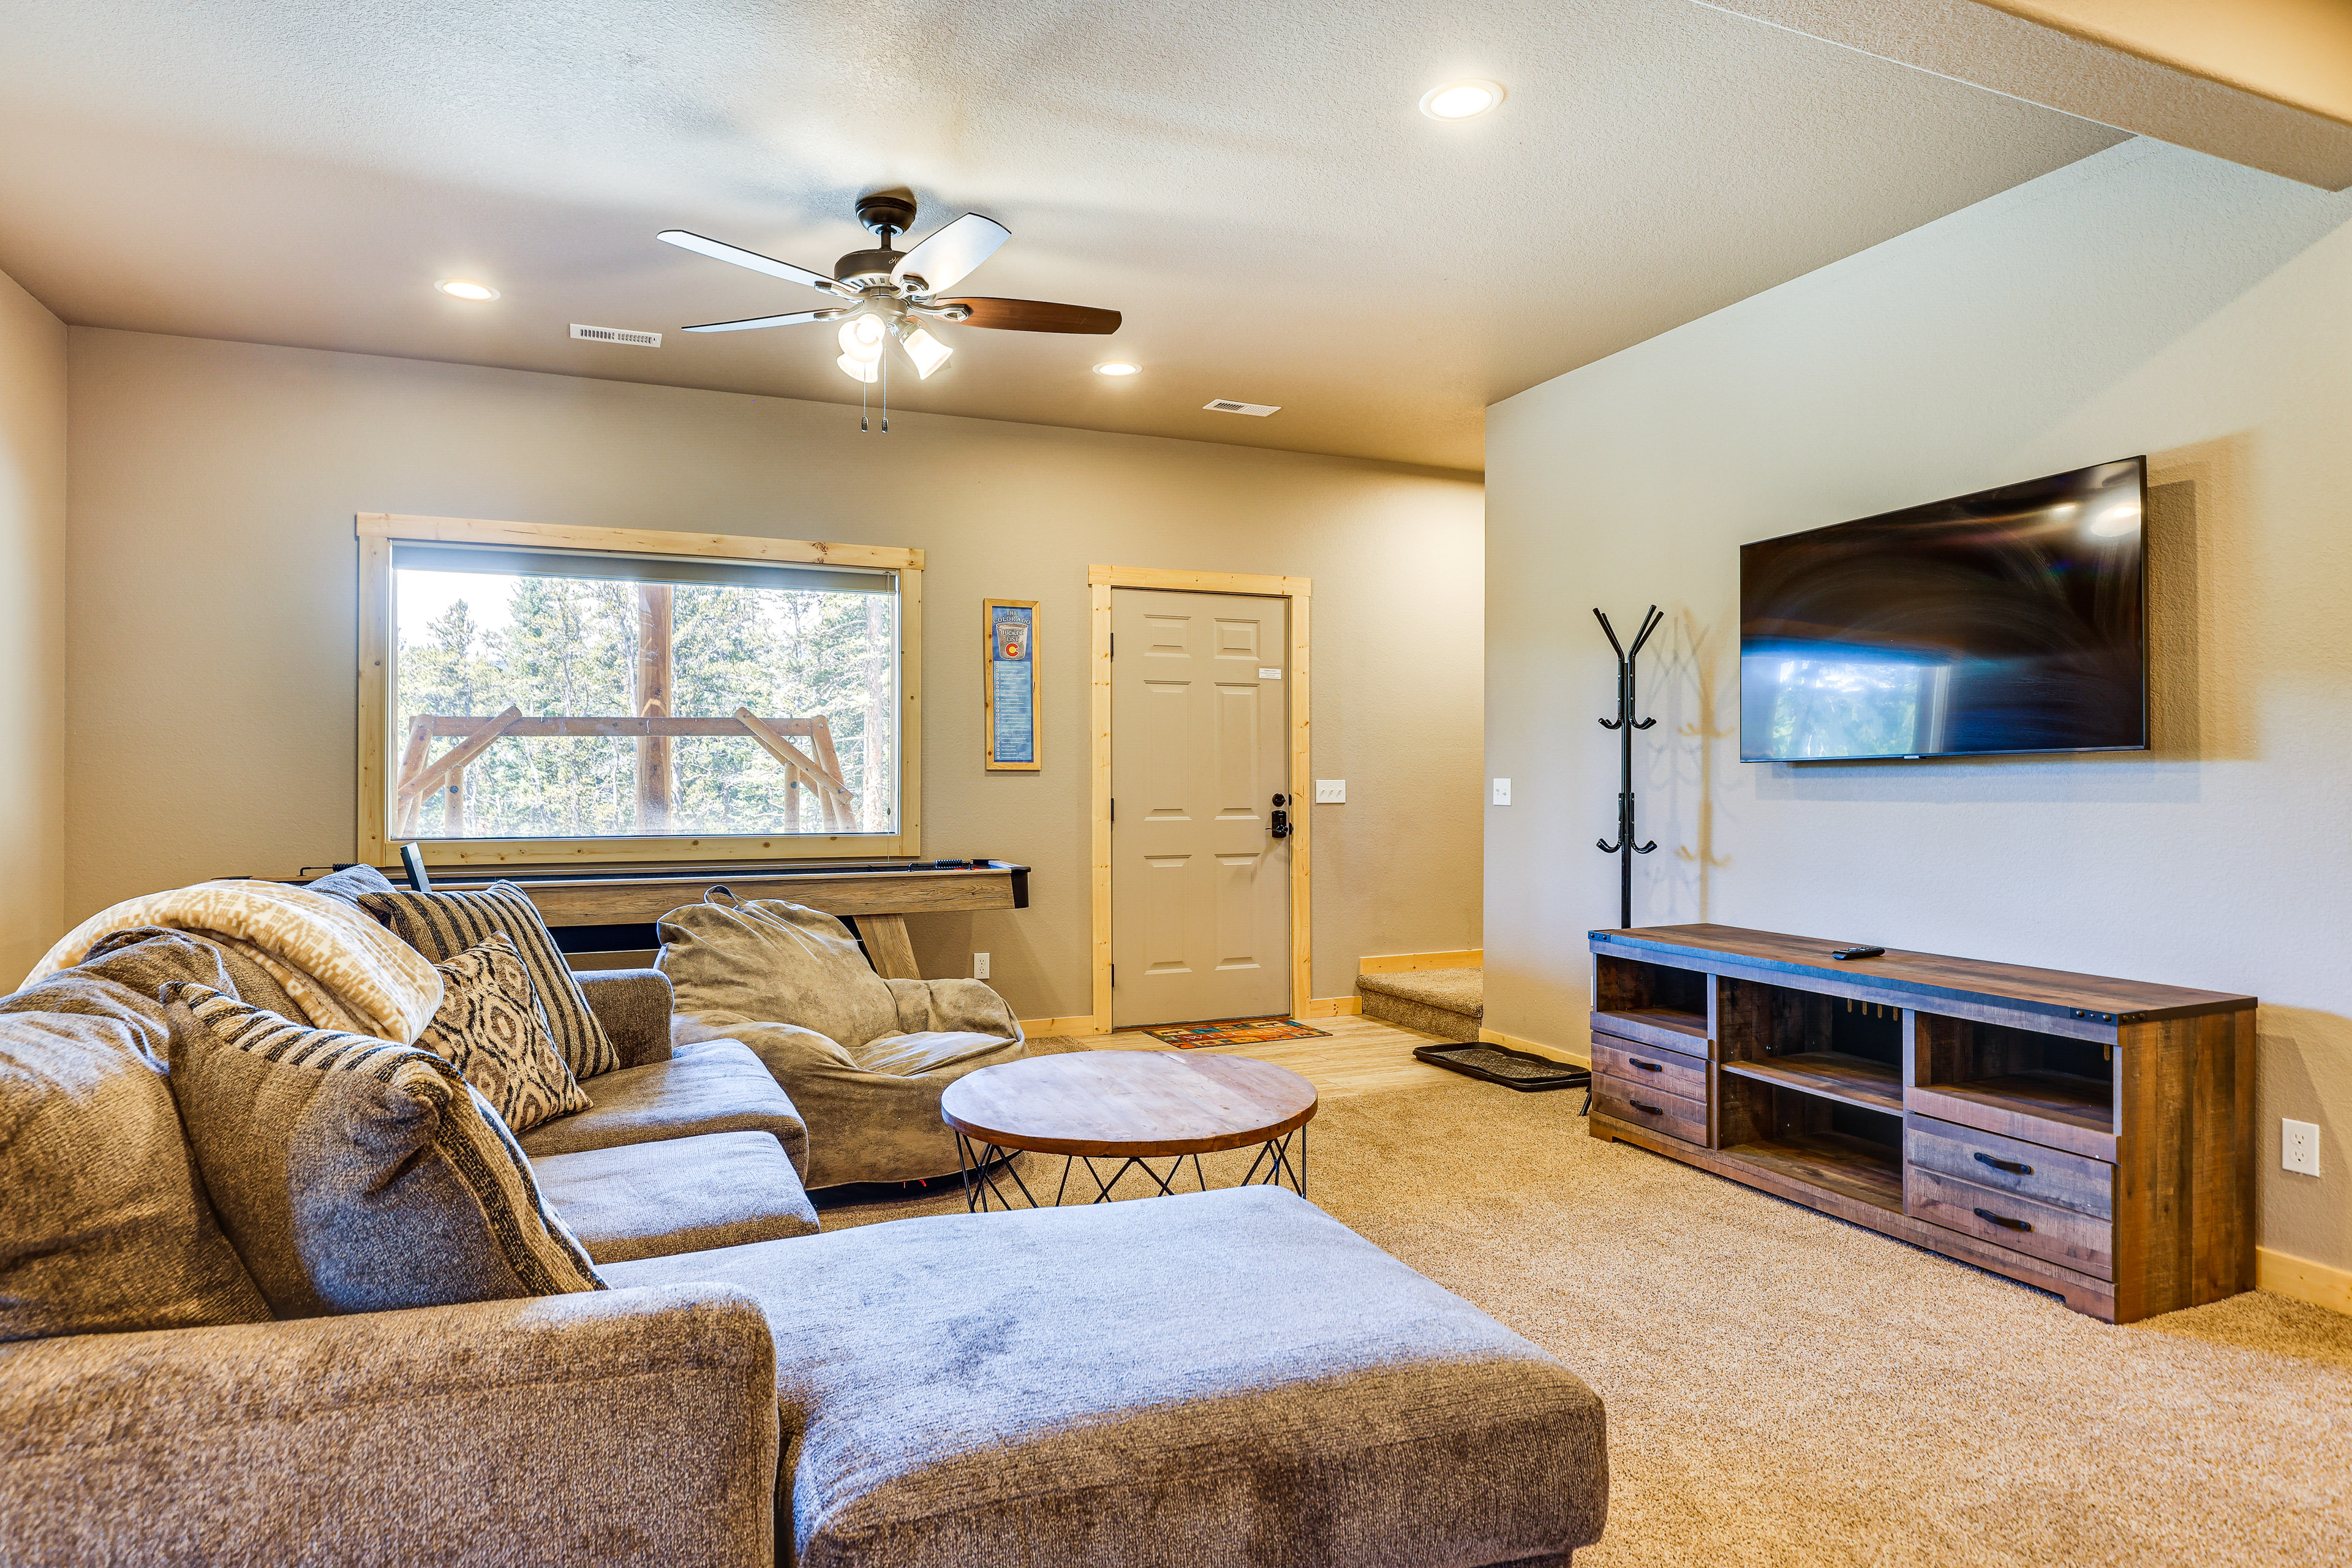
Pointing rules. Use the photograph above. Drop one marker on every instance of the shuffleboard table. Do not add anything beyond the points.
(613, 910)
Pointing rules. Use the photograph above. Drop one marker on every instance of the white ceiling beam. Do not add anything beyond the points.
(2180, 99)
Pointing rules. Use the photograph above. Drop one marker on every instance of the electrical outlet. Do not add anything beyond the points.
(1331, 791)
(2299, 1146)
(1502, 791)
(979, 966)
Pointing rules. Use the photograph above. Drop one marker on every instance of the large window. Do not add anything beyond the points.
(546, 701)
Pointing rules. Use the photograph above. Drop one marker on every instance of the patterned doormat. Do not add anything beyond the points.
(1235, 1032)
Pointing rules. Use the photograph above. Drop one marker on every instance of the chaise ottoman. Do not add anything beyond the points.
(1212, 1380)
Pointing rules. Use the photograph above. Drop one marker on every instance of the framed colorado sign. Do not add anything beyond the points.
(1012, 693)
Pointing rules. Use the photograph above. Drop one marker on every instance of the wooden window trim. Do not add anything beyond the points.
(377, 533)
(1299, 590)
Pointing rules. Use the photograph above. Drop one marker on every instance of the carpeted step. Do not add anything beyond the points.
(1448, 1003)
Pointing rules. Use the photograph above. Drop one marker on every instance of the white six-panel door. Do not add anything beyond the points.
(1200, 887)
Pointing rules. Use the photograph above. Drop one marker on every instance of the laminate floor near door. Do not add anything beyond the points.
(1200, 886)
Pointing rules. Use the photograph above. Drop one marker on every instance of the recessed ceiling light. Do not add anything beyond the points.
(1461, 100)
(459, 288)
(1117, 367)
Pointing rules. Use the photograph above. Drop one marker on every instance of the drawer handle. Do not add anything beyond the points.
(1645, 1066)
(2003, 1220)
(2014, 1167)
(1652, 1110)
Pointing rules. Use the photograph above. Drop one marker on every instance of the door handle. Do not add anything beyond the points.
(1280, 825)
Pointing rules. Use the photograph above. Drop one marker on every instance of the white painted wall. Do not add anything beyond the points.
(212, 648)
(32, 627)
(2146, 300)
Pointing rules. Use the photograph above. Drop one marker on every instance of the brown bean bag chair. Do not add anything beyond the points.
(863, 1059)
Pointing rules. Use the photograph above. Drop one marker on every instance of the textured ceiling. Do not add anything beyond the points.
(1248, 182)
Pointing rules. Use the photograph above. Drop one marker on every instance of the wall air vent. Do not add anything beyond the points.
(616, 335)
(1256, 410)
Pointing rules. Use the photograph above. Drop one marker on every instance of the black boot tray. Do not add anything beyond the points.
(1512, 1069)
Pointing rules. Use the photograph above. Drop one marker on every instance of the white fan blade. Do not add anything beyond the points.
(948, 257)
(741, 257)
(796, 319)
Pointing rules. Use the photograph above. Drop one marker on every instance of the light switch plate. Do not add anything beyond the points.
(2299, 1146)
(1502, 791)
(979, 966)
(1266, 674)
(1331, 791)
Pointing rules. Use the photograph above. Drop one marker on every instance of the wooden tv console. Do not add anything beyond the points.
(2088, 1136)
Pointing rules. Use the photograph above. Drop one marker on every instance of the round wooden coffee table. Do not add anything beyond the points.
(1133, 1107)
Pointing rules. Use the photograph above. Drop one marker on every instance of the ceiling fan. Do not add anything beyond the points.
(894, 294)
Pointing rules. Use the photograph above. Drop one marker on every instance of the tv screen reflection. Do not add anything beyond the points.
(2011, 620)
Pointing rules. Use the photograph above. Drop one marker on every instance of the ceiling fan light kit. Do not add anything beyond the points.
(895, 294)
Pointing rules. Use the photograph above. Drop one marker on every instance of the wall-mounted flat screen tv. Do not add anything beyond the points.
(2011, 620)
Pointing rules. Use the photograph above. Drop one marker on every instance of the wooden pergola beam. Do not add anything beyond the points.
(454, 760)
(818, 771)
(609, 724)
(833, 795)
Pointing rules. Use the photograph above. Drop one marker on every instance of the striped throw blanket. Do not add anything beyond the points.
(344, 971)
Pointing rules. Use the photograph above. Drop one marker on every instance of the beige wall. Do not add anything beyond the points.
(32, 628)
(2146, 300)
(211, 599)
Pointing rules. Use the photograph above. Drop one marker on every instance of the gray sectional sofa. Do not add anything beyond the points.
(1223, 1378)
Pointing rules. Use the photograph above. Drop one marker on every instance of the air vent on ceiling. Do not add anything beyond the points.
(616, 335)
(1256, 410)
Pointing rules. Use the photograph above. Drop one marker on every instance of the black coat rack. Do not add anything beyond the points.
(1625, 848)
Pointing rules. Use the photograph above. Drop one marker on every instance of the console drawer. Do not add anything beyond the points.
(1667, 1070)
(1647, 1105)
(2076, 1241)
(2007, 1165)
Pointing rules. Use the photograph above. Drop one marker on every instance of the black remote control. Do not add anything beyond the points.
(1857, 951)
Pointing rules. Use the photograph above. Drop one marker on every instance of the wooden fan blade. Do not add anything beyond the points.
(718, 251)
(1036, 316)
(750, 322)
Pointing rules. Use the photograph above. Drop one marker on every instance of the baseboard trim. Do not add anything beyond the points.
(2304, 1279)
(1406, 963)
(1082, 1024)
(1332, 1008)
(1537, 1048)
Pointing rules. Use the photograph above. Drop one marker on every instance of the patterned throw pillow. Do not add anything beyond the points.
(355, 1174)
(488, 1029)
(443, 925)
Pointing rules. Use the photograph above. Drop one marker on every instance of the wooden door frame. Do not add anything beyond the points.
(1298, 591)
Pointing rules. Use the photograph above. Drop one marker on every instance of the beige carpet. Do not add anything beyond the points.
(1783, 1388)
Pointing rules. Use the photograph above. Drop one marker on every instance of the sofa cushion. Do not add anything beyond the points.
(768, 961)
(1230, 1376)
(193, 955)
(343, 969)
(685, 1195)
(355, 1174)
(104, 1224)
(443, 925)
(634, 1006)
(489, 1028)
(721, 1090)
(349, 882)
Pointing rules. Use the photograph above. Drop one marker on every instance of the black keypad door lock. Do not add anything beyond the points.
(1281, 825)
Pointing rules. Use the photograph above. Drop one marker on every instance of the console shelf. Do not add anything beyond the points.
(1667, 1026)
(1864, 1172)
(2088, 1136)
(1833, 1075)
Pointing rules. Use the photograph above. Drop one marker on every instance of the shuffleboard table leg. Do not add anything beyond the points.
(889, 946)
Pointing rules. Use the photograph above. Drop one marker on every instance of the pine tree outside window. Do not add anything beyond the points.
(542, 695)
